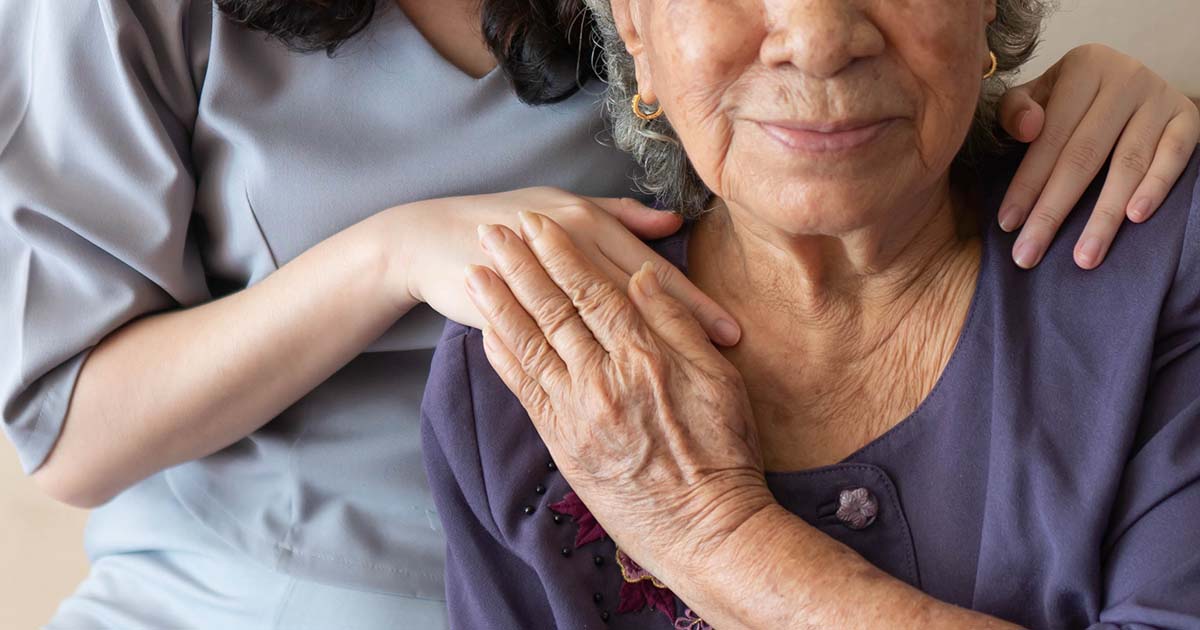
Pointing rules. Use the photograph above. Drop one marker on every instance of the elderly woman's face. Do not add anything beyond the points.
(821, 113)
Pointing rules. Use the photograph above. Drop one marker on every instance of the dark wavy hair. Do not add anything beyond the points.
(545, 47)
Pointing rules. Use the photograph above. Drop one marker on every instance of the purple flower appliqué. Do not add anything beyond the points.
(691, 621)
(589, 529)
(642, 590)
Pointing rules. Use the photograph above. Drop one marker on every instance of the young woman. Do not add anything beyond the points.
(227, 263)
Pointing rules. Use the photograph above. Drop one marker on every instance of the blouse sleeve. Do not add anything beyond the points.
(487, 584)
(1152, 552)
(97, 103)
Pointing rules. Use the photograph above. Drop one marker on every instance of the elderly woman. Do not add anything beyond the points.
(911, 433)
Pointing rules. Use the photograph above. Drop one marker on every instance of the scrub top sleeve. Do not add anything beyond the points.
(487, 584)
(96, 191)
(1152, 550)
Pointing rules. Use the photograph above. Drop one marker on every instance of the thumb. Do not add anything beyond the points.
(1021, 115)
(643, 221)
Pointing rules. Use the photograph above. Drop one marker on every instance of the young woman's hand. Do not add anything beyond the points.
(1092, 100)
(435, 240)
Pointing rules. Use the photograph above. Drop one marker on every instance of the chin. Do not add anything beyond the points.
(828, 206)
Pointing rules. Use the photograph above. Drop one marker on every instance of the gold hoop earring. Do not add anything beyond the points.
(643, 114)
(995, 63)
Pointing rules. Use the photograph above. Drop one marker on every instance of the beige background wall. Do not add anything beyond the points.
(1165, 34)
(41, 554)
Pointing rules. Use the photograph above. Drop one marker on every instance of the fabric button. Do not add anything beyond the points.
(857, 508)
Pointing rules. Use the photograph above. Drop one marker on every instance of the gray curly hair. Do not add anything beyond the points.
(667, 172)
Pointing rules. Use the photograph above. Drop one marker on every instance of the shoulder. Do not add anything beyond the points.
(1146, 262)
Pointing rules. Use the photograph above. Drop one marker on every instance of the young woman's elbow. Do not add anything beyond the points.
(72, 486)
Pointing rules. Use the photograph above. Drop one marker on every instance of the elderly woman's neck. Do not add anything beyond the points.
(855, 288)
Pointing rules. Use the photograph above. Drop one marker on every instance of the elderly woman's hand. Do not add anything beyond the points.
(653, 429)
(1092, 100)
(626, 391)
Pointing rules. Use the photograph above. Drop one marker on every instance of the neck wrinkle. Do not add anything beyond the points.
(844, 297)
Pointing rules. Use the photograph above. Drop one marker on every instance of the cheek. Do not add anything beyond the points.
(700, 49)
(943, 58)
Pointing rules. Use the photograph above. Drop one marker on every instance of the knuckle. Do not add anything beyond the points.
(1135, 160)
(1045, 219)
(1108, 214)
(1056, 135)
(1023, 189)
(1084, 156)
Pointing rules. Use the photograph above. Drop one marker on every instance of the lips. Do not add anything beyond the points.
(826, 137)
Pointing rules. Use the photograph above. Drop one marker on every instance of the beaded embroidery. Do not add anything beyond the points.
(639, 589)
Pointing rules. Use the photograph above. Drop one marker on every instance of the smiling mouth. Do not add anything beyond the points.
(826, 137)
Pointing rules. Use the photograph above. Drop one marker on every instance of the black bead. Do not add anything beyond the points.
(604, 616)
(540, 489)
(598, 560)
(558, 519)
(550, 464)
(528, 510)
(598, 598)
(566, 552)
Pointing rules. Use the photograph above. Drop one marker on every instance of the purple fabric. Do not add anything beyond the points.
(1052, 477)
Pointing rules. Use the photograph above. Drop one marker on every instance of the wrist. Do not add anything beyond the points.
(743, 581)
(386, 240)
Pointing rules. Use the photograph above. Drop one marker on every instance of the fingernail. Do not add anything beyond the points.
(1026, 254)
(476, 278)
(490, 236)
(1140, 209)
(727, 332)
(648, 281)
(1021, 118)
(1089, 251)
(531, 223)
(1010, 217)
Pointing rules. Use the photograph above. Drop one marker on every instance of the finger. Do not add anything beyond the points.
(668, 318)
(638, 218)
(1066, 108)
(616, 274)
(533, 398)
(1081, 159)
(514, 327)
(1128, 168)
(551, 310)
(604, 308)
(1020, 115)
(1170, 159)
(719, 324)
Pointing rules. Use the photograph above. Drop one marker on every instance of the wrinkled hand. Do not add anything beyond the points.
(1092, 100)
(647, 421)
(432, 241)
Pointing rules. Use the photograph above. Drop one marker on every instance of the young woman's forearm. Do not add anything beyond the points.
(179, 385)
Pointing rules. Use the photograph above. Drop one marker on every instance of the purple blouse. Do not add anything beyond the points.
(1051, 478)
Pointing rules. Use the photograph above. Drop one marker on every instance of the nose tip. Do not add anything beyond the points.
(821, 38)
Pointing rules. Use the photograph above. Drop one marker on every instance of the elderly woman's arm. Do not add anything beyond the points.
(653, 430)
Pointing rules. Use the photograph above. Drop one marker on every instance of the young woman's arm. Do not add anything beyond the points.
(115, 360)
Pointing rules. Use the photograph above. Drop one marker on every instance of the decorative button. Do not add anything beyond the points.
(598, 560)
(558, 519)
(540, 489)
(857, 508)
(566, 552)
(551, 465)
(598, 598)
(529, 510)
(604, 616)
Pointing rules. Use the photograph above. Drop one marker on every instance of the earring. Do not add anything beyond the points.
(995, 62)
(643, 114)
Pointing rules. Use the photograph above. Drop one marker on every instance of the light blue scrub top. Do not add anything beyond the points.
(154, 155)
